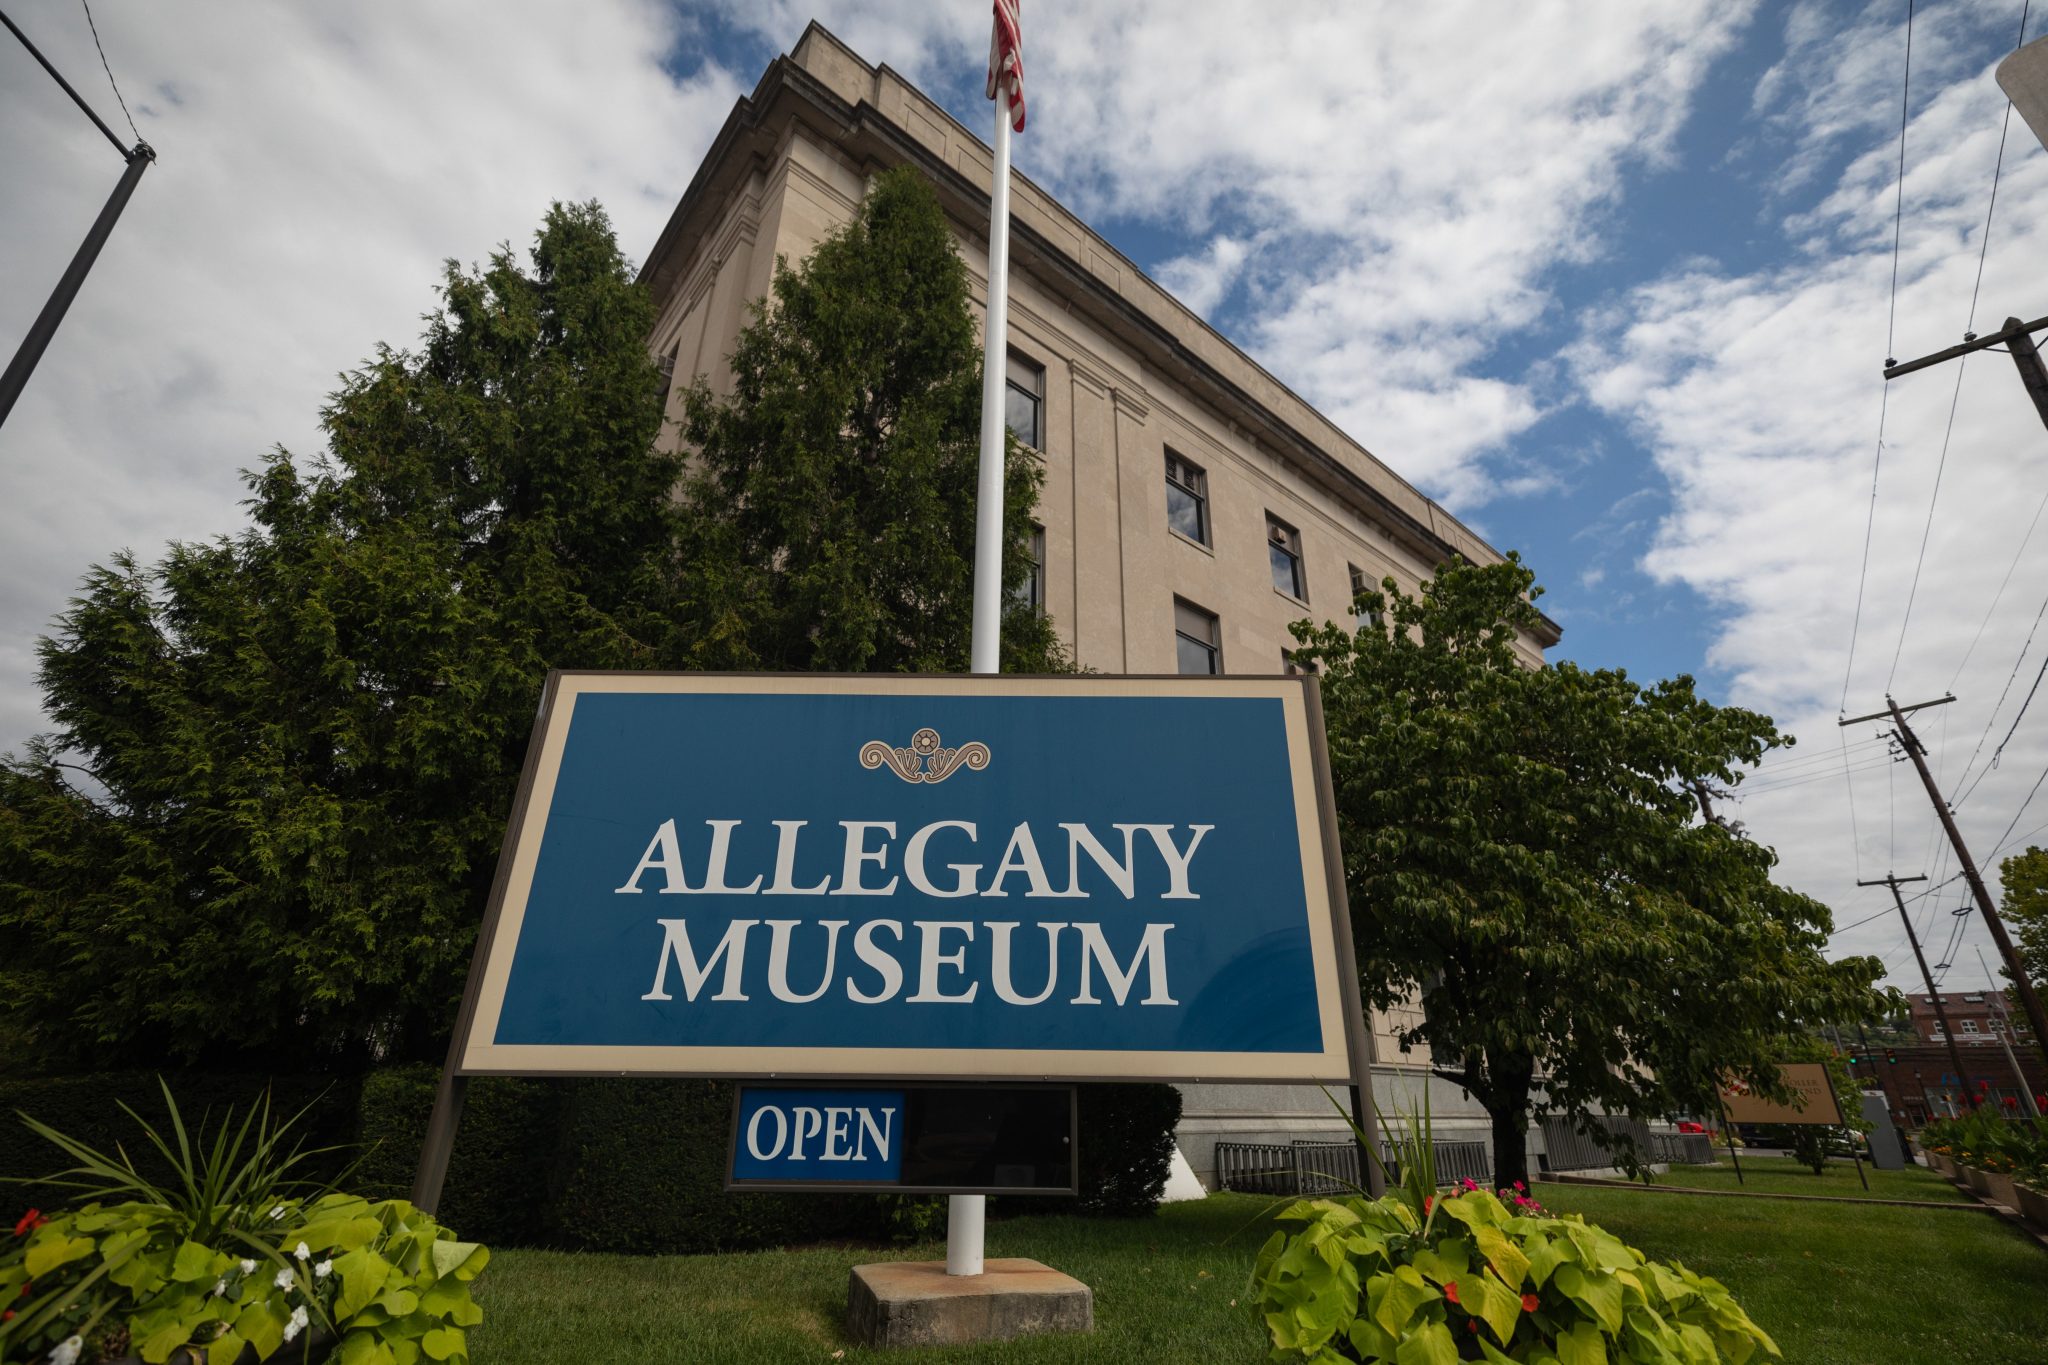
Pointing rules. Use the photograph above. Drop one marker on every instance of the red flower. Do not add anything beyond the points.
(1428, 1202)
(30, 1221)
(1529, 1302)
(1521, 1187)
(1472, 1326)
(1451, 1293)
(6, 1314)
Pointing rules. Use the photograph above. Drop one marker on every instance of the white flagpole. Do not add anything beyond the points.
(988, 512)
(966, 1214)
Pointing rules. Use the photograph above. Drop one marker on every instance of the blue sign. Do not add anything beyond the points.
(958, 1139)
(818, 1136)
(898, 876)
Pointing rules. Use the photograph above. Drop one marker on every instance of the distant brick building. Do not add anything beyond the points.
(1920, 1079)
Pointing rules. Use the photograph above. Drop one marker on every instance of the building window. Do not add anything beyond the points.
(1031, 592)
(1187, 499)
(1025, 398)
(1969, 1025)
(667, 366)
(1197, 641)
(1283, 548)
(1361, 617)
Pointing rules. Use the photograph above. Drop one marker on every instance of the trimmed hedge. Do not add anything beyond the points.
(499, 1186)
(1126, 1147)
(628, 1165)
(644, 1171)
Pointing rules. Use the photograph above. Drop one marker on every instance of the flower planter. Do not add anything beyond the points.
(2033, 1205)
(2000, 1189)
(1942, 1164)
(1980, 1181)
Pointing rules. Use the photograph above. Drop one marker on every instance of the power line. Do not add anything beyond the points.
(138, 134)
(1927, 531)
(1884, 399)
(2003, 693)
(1969, 334)
(1998, 596)
(1860, 923)
(58, 77)
(1825, 775)
(1996, 167)
(1775, 767)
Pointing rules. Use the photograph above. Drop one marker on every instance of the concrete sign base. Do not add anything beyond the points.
(916, 1303)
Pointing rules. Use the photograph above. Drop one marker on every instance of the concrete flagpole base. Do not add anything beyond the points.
(916, 1303)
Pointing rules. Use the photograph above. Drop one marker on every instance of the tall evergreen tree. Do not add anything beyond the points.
(831, 510)
(1522, 852)
(267, 821)
(266, 824)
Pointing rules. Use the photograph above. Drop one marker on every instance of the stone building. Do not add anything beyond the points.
(1193, 505)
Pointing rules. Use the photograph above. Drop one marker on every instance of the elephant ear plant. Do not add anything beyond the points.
(235, 1258)
(1427, 1278)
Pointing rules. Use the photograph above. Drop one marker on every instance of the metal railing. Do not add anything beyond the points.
(1313, 1168)
(1567, 1149)
(1682, 1149)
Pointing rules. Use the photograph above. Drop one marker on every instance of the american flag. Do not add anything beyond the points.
(1006, 60)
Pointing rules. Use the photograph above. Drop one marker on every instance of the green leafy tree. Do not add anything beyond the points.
(267, 821)
(265, 827)
(831, 508)
(2023, 884)
(1524, 852)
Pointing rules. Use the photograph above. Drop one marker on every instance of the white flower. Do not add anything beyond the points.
(248, 1267)
(322, 1269)
(297, 1323)
(277, 1212)
(303, 1252)
(66, 1351)
(284, 1279)
(220, 1287)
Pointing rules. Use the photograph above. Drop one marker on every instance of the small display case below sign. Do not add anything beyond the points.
(928, 1139)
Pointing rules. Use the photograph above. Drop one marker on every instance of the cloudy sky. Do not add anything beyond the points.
(1614, 281)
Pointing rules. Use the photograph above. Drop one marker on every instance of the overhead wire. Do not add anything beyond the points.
(1883, 410)
(109, 70)
(1992, 720)
(2000, 594)
(1969, 332)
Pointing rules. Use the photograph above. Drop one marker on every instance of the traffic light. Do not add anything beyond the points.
(1891, 1056)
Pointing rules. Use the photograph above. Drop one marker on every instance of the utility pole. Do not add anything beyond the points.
(138, 157)
(1915, 750)
(2005, 1041)
(2018, 339)
(1941, 1015)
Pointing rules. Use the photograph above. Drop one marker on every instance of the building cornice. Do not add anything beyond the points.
(865, 134)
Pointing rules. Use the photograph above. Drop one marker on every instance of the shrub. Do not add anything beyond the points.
(1126, 1147)
(505, 1153)
(1467, 1277)
(228, 1255)
(643, 1170)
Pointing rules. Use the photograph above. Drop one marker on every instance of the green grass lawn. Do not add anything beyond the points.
(1776, 1175)
(1841, 1285)
(1835, 1284)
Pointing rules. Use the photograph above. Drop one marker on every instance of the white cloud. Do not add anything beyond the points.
(1759, 396)
(1407, 175)
(1202, 280)
(317, 164)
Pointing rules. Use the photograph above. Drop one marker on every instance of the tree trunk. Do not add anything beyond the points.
(1507, 1104)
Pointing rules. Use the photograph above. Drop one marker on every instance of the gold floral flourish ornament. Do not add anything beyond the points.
(925, 760)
